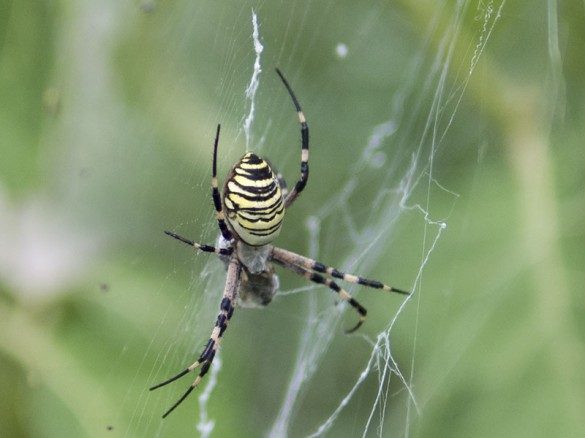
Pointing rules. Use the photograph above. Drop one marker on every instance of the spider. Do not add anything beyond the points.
(254, 198)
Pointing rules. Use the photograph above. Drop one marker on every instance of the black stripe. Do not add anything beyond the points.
(252, 159)
(226, 304)
(361, 309)
(260, 220)
(255, 219)
(333, 285)
(276, 204)
(272, 211)
(255, 197)
(259, 216)
(207, 351)
(207, 364)
(221, 323)
(337, 274)
(266, 191)
(221, 320)
(255, 174)
(371, 283)
(249, 195)
(253, 168)
(304, 177)
(253, 181)
(305, 135)
(264, 231)
(319, 267)
(317, 278)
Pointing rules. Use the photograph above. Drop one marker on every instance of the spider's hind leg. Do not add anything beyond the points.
(310, 269)
(316, 278)
(313, 265)
(227, 306)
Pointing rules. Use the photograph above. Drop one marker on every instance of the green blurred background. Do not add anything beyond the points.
(107, 114)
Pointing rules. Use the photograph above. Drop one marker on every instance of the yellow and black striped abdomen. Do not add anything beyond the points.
(253, 201)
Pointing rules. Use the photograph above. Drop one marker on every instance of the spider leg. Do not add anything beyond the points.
(302, 182)
(227, 306)
(201, 246)
(317, 278)
(312, 265)
(225, 232)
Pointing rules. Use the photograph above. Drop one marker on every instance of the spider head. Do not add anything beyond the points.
(253, 201)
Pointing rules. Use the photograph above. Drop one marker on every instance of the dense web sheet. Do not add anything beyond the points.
(398, 153)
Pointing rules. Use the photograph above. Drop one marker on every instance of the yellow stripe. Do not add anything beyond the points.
(262, 165)
(243, 181)
(245, 203)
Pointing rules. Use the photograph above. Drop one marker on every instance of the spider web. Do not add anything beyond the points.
(392, 160)
(446, 155)
(445, 159)
(382, 100)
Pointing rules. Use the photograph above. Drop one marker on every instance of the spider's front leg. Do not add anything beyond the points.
(227, 306)
(200, 246)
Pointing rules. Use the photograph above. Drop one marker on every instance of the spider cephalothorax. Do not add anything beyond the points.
(254, 198)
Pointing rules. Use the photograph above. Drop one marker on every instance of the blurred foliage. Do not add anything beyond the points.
(107, 113)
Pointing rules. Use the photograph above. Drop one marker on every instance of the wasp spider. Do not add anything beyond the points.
(254, 199)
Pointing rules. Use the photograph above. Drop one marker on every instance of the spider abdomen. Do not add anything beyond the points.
(253, 201)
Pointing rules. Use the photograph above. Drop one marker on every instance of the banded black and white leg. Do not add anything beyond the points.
(201, 246)
(215, 194)
(302, 182)
(313, 265)
(206, 357)
(311, 270)
(317, 278)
